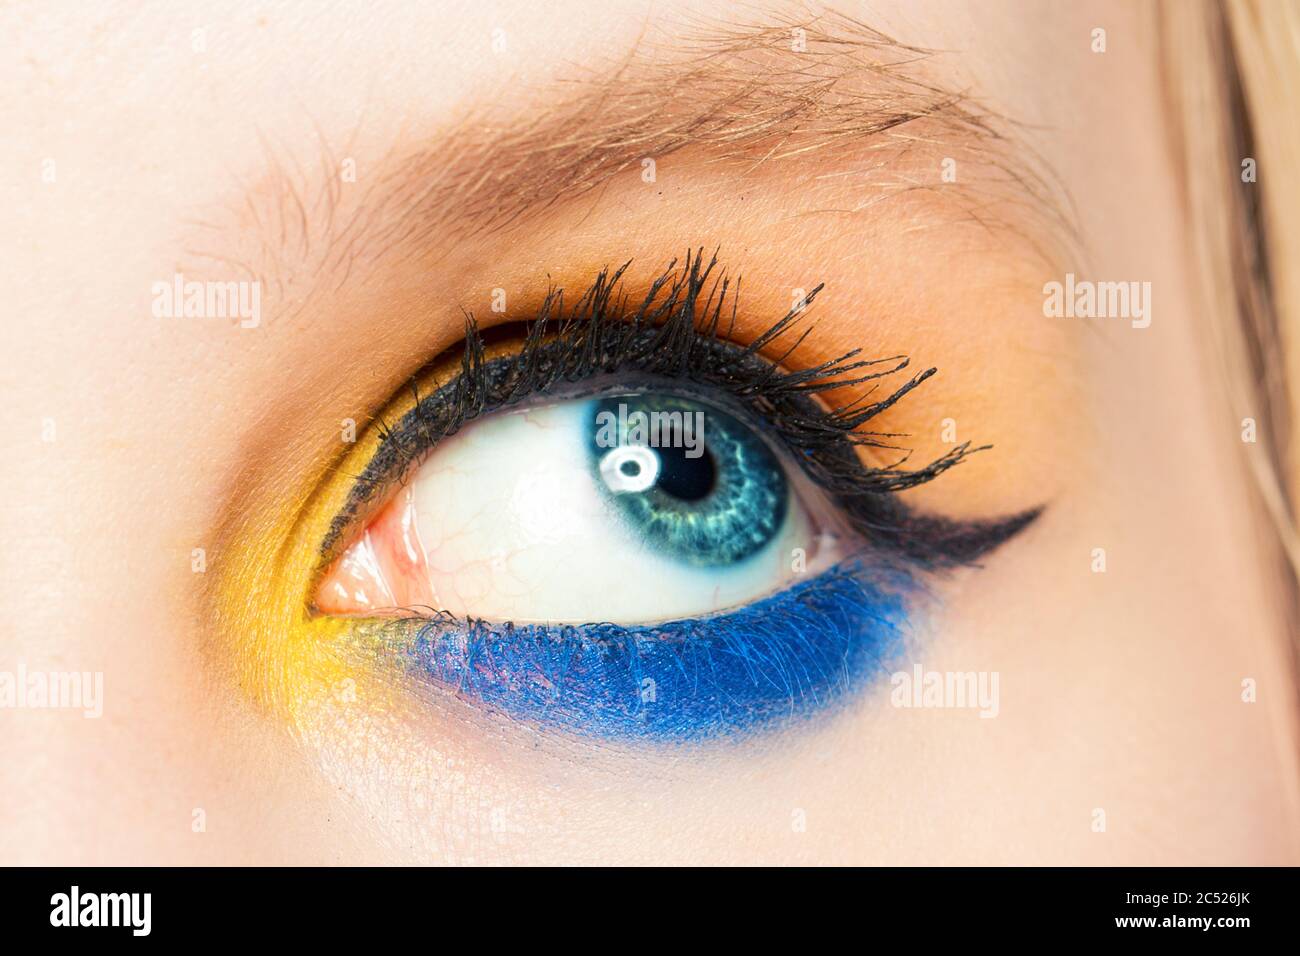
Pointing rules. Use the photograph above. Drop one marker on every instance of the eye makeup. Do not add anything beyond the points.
(805, 641)
(676, 333)
(775, 662)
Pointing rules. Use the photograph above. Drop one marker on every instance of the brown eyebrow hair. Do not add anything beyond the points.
(747, 95)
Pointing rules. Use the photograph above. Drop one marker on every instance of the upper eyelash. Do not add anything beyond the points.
(674, 332)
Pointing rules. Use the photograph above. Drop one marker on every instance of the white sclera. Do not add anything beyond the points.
(517, 527)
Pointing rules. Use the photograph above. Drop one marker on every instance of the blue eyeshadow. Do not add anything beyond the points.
(778, 660)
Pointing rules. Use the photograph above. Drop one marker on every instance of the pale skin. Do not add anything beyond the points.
(1120, 691)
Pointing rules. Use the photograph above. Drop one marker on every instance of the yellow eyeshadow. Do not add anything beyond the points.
(291, 662)
(294, 663)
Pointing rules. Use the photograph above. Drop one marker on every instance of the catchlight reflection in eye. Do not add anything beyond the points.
(626, 508)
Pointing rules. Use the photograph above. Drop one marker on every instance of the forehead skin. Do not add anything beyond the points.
(146, 140)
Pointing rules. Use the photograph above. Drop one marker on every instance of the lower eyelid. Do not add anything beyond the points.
(780, 659)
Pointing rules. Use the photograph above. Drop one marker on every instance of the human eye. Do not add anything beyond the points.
(622, 523)
(626, 506)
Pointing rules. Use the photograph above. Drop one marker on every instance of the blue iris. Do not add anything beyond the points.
(774, 661)
(711, 493)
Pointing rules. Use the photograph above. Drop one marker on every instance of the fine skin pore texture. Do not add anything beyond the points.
(175, 482)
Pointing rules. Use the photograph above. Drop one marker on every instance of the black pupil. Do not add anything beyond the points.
(687, 479)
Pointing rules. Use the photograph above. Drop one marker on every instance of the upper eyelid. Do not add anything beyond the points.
(673, 299)
(834, 432)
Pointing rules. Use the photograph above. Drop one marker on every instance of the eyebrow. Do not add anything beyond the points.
(748, 96)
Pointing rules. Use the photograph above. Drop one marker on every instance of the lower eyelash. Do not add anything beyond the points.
(777, 660)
